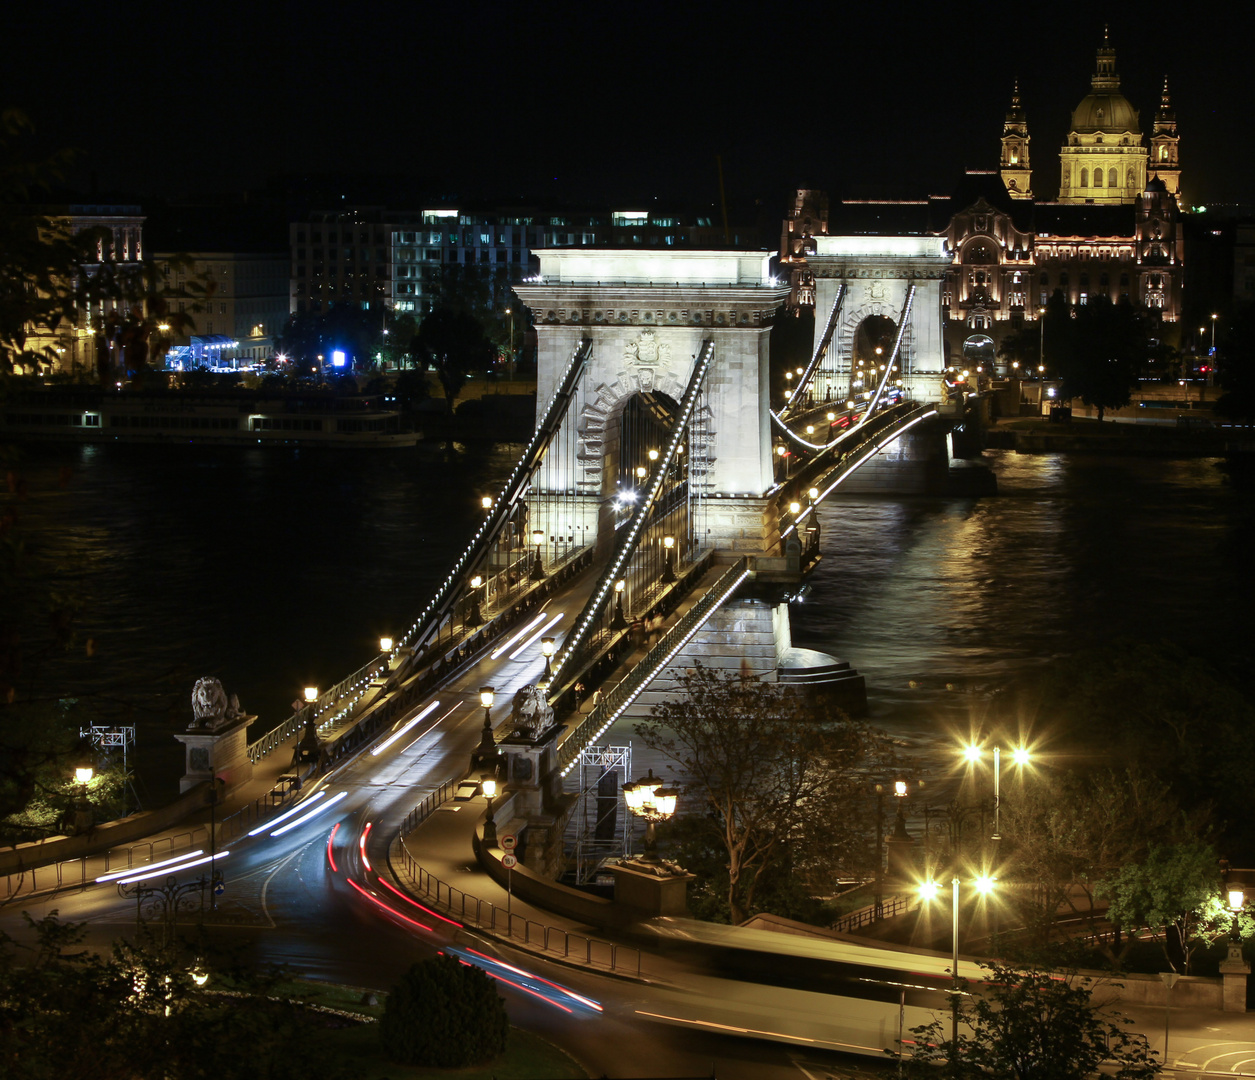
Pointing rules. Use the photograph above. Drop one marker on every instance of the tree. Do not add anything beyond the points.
(1031, 1025)
(1062, 830)
(144, 1015)
(772, 780)
(453, 344)
(1174, 892)
(444, 1013)
(1103, 351)
(1024, 345)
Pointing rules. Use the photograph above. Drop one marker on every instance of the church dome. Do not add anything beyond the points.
(1106, 111)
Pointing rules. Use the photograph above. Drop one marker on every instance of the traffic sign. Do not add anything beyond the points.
(1169, 978)
(219, 888)
(509, 842)
(509, 861)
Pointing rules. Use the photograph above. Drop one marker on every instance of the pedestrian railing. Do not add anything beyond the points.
(490, 917)
(629, 688)
(899, 904)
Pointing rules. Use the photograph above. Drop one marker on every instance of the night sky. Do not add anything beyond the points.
(598, 103)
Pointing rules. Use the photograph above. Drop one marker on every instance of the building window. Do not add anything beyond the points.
(1098, 178)
(1112, 180)
(1044, 280)
(1083, 298)
(1084, 178)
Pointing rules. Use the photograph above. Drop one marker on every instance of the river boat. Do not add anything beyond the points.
(87, 415)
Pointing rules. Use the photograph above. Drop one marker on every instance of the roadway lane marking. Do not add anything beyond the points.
(265, 910)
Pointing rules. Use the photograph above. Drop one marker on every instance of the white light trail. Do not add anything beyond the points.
(510, 644)
(313, 813)
(151, 866)
(404, 728)
(150, 872)
(532, 640)
(304, 804)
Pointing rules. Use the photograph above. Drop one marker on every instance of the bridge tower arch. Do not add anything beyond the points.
(877, 271)
(648, 315)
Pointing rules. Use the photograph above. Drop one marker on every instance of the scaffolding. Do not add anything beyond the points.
(601, 825)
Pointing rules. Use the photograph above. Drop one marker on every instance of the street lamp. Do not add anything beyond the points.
(546, 648)
(486, 751)
(475, 619)
(618, 622)
(82, 808)
(1213, 334)
(538, 571)
(1019, 755)
(648, 799)
(486, 502)
(488, 784)
(668, 567)
(510, 313)
(929, 890)
(385, 644)
(1041, 349)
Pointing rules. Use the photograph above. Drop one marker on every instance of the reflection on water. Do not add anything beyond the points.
(1073, 552)
(270, 568)
(277, 568)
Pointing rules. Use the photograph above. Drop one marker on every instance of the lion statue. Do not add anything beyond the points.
(532, 712)
(211, 707)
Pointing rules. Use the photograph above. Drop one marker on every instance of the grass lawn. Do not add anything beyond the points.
(355, 1047)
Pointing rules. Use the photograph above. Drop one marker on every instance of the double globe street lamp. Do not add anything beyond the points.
(648, 798)
(930, 890)
(1019, 755)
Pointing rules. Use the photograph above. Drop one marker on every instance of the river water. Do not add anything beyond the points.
(275, 568)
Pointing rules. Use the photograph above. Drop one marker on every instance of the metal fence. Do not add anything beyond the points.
(485, 915)
(856, 920)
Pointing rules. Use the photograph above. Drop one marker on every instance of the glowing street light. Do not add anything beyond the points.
(619, 622)
(668, 567)
(475, 619)
(311, 694)
(647, 798)
(488, 785)
(1019, 755)
(385, 644)
(486, 502)
(546, 648)
(538, 571)
(930, 890)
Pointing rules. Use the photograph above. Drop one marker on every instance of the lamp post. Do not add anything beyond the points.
(546, 648)
(488, 784)
(618, 622)
(647, 798)
(385, 644)
(1019, 755)
(486, 751)
(510, 313)
(1041, 348)
(307, 748)
(984, 885)
(474, 619)
(668, 566)
(538, 570)
(1213, 334)
(83, 774)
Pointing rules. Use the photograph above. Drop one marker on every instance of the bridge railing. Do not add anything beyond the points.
(629, 688)
(488, 916)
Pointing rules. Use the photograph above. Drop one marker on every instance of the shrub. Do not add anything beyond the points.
(443, 1013)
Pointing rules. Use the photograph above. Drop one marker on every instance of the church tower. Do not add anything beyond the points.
(1016, 172)
(1164, 162)
(1103, 160)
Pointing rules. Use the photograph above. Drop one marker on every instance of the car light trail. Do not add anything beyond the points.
(361, 845)
(313, 813)
(404, 728)
(517, 986)
(331, 858)
(411, 900)
(510, 644)
(434, 724)
(391, 911)
(151, 866)
(304, 804)
(530, 975)
(150, 872)
(532, 640)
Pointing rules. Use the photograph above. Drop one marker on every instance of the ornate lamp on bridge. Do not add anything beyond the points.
(474, 618)
(538, 571)
(650, 800)
(546, 648)
(619, 622)
(488, 785)
(486, 752)
(668, 568)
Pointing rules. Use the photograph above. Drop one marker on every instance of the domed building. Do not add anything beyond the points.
(1103, 160)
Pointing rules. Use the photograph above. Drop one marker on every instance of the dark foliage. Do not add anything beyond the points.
(444, 1013)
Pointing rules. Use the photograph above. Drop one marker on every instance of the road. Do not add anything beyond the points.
(284, 904)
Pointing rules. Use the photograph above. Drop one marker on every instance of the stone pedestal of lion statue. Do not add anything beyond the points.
(216, 741)
(531, 771)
